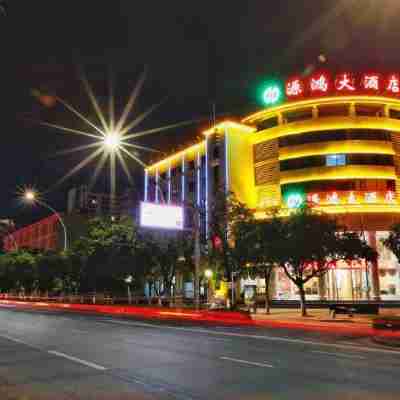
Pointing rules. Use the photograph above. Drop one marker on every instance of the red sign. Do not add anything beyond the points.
(351, 197)
(371, 82)
(393, 84)
(345, 82)
(320, 83)
(294, 87)
(323, 83)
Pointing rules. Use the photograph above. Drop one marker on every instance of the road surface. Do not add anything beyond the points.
(55, 355)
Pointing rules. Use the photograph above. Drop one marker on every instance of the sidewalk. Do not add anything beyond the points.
(319, 320)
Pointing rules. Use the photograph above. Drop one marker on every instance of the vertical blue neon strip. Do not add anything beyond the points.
(157, 186)
(206, 197)
(169, 183)
(183, 178)
(146, 184)
(198, 178)
(226, 163)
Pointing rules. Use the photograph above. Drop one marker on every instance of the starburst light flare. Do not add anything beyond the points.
(113, 138)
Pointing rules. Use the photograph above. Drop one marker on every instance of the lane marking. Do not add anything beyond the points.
(78, 360)
(345, 355)
(257, 337)
(257, 364)
(19, 341)
(79, 331)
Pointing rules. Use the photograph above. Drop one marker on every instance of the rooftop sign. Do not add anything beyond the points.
(323, 83)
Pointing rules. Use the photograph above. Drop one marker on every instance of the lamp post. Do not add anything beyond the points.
(31, 197)
(208, 274)
(128, 281)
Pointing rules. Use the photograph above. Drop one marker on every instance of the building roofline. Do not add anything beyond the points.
(299, 104)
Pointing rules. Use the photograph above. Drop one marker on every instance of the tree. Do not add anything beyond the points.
(20, 270)
(264, 258)
(392, 242)
(232, 233)
(308, 244)
(51, 268)
(165, 254)
(106, 253)
(7, 273)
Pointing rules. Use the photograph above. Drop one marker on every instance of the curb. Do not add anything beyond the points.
(386, 341)
(202, 316)
(222, 317)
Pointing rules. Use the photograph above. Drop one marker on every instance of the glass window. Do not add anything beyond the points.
(334, 160)
(268, 123)
(298, 115)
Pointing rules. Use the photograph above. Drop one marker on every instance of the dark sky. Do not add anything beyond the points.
(196, 52)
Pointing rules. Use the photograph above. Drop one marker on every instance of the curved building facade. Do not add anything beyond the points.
(339, 153)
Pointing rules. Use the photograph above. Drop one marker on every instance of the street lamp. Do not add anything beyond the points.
(128, 281)
(31, 197)
(208, 274)
(112, 141)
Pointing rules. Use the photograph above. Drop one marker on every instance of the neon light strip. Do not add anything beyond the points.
(146, 184)
(226, 163)
(206, 197)
(157, 186)
(169, 183)
(198, 178)
(183, 178)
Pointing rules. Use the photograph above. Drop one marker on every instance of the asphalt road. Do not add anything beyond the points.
(53, 355)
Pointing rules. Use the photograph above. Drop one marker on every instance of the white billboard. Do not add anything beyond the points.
(164, 216)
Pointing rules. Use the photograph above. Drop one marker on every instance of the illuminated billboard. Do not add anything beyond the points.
(163, 216)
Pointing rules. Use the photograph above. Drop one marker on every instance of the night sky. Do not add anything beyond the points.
(195, 52)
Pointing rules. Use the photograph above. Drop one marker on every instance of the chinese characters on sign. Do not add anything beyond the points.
(351, 197)
(324, 83)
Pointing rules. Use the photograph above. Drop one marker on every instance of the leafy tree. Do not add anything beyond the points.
(308, 244)
(263, 252)
(392, 242)
(164, 254)
(7, 273)
(232, 233)
(51, 268)
(20, 270)
(106, 253)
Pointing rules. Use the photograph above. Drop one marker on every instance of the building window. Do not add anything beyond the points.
(216, 151)
(216, 175)
(335, 135)
(298, 115)
(333, 111)
(268, 123)
(366, 110)
(334, 160)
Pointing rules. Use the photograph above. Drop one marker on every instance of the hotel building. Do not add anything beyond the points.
(330, 141)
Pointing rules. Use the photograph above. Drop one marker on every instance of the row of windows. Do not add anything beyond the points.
(333, 160)
(335, 110)
(191, 166)
(342, 185)
(336, 135)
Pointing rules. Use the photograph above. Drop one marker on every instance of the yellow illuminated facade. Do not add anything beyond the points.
(341, 154)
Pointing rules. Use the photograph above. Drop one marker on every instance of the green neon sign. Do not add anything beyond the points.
(294, 199)
(272, 93)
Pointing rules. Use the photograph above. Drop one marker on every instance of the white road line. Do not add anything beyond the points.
(79, 331)
(78, 360)
(19, 341)
(345, 355)
(258, 337)
(257, 364)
